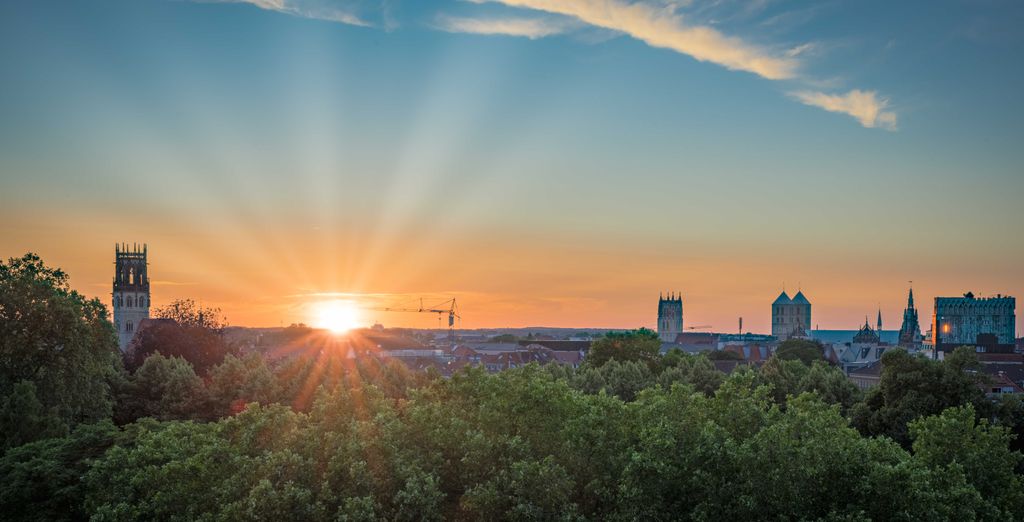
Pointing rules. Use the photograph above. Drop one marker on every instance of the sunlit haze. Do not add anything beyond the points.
(545, 163)
(336, 316)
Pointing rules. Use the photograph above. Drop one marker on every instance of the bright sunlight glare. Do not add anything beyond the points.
(336, 316)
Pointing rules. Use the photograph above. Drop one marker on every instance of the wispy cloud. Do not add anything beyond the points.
(661, 26)
(316, 9)
(531, 28)
(866, 106)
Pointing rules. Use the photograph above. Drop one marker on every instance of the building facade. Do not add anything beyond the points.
(988, 323)
(670, 317)
(131, 292)
(791, 317)
(910, 331)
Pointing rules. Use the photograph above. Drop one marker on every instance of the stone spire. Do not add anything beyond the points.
(910, 330)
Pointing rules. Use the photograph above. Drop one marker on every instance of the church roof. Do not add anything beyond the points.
(800, 299)
(783, 299)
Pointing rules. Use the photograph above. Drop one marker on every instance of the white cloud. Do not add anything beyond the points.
(663, 27)
(531, 28)
(865, 106)
(316, 9)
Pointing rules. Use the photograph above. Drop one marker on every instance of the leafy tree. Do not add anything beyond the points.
(24, 418)
(187, 313)
(703, 375)
(803, 350)
(911, 387)
(165, 388)
(783, 376)
(58, 351)
(202, 346)
(625, 379)
(831, 385)
(240, 380)
(954, 440)
(43, 480)
(635, 345)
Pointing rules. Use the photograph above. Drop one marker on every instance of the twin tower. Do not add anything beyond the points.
(131, 291)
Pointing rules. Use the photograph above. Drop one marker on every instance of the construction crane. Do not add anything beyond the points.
(449, 307)
(701, 327)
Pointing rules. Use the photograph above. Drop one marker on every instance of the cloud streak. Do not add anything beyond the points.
(866, 106)
(531, 28)
(663, 27)
(315, 9)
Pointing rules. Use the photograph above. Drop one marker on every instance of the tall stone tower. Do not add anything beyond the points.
(670, 317)
(131, 291)
(791, 317)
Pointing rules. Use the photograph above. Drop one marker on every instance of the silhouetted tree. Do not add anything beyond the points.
(188, 331)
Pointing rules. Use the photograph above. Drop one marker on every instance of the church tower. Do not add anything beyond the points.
(670, 317)
(910, 331)
(791, 317)
(879, 329)
(131, 292)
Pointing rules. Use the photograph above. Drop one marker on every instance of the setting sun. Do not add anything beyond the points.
(336, 316)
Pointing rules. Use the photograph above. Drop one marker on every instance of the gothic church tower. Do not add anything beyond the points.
(131, 292)
(670, 317)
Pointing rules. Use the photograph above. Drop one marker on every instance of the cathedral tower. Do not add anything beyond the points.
(131, 292)
(910, 331)
(670, 317)
(791, 317)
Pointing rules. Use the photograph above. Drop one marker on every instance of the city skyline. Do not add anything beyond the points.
(544, 163)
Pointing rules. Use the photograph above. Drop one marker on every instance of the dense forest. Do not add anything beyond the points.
(191, 430)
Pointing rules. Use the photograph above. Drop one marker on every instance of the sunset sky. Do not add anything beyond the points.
(545, 162)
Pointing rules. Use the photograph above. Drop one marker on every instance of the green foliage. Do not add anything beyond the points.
(912, 387)
(165, 388)
(201, 346)
(635, 345)
(43, 480)
(803, 350)
(956, 442)
(238, 381)
(24, 419)
(58, 352)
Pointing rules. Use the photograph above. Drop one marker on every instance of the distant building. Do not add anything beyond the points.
(866, 335)
(670, 317)
(910, 331)
(791, 317)
(987, 324)
(867, 376)
(131, 292)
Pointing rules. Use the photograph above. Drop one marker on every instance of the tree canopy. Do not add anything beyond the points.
(58, 353)
(635, 345)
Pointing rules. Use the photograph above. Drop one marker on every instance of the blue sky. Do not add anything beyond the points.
(728, 146)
